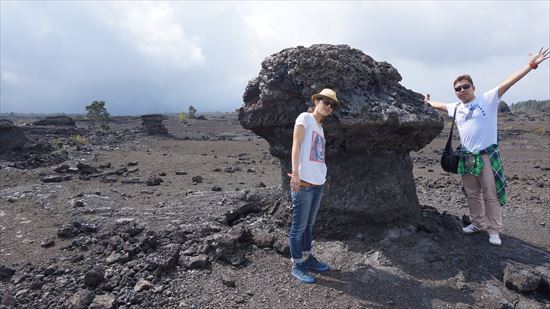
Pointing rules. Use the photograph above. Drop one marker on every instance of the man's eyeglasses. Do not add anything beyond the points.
(462, 87)
(329, 102)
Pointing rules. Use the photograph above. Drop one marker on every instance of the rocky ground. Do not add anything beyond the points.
(196, 219)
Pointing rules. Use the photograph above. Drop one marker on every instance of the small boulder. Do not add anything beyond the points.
(521, 278)
(194, 262)
(93, 277)
(143, 285)
(227, 281)
(105, 301)
(153, 181)
(6, 273)
(81, 299)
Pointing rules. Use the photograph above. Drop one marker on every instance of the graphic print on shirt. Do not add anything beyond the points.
(470, 113)
(317, 151)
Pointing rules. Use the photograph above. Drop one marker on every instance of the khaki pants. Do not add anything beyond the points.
(488, 216)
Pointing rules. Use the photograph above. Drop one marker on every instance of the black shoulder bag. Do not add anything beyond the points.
(450, 157)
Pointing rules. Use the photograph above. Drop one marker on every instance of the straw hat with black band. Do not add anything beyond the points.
(328, 93)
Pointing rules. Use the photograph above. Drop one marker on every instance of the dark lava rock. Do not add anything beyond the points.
(81, 299)
(129, 227)
(7, 300)
(263, 239)
(142, 285)
(105, 165)
(521, 278)
(75, 228)
(105, 301)
(62, 169)
(55, 121)
(367, 142)
(197, 179)
(545, 278)
(86, 168)
(503, 107)
(194, 262)
(67, 231)
(228, 246)
(153, 124)
(117, 257)
(164, 258)
(11, 136)
(77, 203)
(153, 181)
(94, 277)
(6, 272)
(53, 178)
(227, 281)
(47, 243)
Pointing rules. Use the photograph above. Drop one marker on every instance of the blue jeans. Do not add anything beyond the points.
(305, 204)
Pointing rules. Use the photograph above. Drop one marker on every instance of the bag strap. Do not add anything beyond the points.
(452, 126)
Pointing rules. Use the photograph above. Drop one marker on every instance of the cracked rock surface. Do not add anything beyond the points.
(368, 141)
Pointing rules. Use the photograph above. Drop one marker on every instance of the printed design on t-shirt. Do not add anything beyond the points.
(470, 114)
(317, 151)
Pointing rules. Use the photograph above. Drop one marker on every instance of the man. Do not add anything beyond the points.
(480, 164)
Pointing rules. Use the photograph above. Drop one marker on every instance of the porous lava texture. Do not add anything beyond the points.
(368, 141)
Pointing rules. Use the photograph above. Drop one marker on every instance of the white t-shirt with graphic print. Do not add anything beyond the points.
(477, 121)
(312, 151)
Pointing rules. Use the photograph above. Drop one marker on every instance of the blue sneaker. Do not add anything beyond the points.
(300, 272)
(313, 264)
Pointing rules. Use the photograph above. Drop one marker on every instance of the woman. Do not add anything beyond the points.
(307, 181)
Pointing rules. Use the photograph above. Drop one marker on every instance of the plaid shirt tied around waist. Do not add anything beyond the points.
(476, 165)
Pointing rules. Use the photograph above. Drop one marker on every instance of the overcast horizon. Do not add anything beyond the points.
(161, 57)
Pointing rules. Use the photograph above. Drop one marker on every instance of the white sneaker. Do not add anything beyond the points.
(470, 229)
(494, 239)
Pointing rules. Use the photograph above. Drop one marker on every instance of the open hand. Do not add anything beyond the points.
(427, 98)
(542, 55)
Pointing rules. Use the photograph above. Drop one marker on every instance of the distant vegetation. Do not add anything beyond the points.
(183, 117)
(531, 106)
(192, 112)
(98, 115)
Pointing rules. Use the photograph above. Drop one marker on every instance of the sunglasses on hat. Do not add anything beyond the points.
(462, 87)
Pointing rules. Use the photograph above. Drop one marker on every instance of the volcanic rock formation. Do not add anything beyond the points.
(503, 107)
(153, 124)
(11, 136)
(367, 142)
(55, 121)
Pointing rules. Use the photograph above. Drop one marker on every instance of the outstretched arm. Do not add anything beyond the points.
(542, 55)
(435, 104)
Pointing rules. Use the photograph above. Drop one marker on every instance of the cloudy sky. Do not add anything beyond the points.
(148, 57)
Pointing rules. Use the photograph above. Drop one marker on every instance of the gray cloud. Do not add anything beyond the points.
(143, 57)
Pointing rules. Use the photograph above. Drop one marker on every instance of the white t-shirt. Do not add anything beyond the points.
(477, 121)
(312, 151)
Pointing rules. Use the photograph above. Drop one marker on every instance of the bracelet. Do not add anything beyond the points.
(533, 65)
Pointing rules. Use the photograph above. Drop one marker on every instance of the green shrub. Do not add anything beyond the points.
(183, 117)
(98, 115)
(192, 112)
